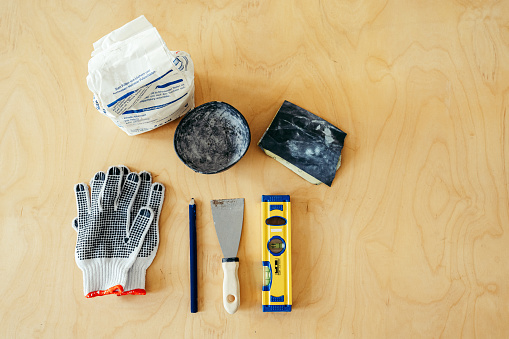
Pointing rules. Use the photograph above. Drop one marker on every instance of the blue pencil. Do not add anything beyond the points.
(192, 257)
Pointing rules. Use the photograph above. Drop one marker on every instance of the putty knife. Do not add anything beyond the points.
(228, 215)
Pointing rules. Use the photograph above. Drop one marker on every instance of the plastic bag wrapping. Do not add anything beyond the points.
(137, 81)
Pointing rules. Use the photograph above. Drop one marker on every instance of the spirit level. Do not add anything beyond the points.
(276, 253)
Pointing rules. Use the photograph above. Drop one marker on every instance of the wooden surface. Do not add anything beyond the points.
(411, 240)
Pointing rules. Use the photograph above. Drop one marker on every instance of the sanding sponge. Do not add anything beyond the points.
(305, 143)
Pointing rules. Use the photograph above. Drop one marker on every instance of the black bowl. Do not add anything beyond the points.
(212, 137)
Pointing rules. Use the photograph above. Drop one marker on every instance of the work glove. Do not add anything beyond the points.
(109, 238)
(152, 196)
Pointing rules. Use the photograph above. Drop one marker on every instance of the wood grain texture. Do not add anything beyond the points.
(411, 240)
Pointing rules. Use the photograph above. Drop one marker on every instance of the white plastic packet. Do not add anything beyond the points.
(137, 82)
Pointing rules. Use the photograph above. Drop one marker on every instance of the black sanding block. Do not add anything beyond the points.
(305, 143)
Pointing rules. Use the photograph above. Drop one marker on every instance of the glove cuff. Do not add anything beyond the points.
(105, 276)
(135, 283)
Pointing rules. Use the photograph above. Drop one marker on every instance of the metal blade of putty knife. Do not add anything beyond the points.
(228, 215)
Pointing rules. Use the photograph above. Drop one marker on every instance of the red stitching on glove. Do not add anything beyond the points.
(117, 289)
(138, 291)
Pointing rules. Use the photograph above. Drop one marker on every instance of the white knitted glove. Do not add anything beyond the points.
(108, 241)
(152, 196)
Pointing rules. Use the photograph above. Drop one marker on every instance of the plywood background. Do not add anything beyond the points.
(411, 241)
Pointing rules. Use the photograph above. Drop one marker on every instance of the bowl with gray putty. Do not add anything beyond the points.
(212, 137)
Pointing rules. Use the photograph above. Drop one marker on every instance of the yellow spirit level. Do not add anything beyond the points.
(276, 253)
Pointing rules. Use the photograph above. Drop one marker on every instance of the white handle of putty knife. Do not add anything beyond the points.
(231, 287)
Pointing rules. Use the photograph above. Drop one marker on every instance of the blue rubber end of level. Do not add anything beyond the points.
(277, 308)
(275, 198)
